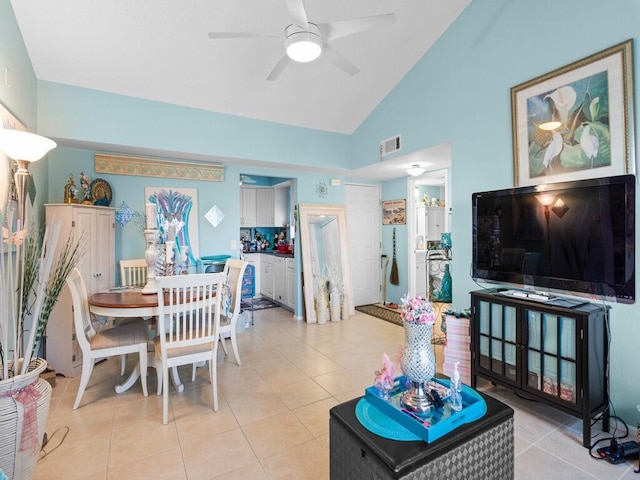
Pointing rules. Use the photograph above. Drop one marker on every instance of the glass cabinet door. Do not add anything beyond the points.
(551, 355)
(497, 339)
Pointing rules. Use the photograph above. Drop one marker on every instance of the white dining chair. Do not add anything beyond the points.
(188, 327)
(133, 273)
(110, 342)
(231, 294)
(230, 306)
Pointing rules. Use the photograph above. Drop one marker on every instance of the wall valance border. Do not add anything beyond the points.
(148, 167)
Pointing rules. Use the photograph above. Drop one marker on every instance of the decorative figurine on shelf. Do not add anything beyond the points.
(70, 191)
(84, 184)
(384, 379)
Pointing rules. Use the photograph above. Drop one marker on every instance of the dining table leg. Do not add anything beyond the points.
(135, 375)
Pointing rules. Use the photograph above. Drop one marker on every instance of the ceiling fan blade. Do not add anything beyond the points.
(279, 67)
(298, 12)
(219, 35)
(342, 28)
(338, 60)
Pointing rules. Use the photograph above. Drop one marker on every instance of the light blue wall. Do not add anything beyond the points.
(20, 98)
(92, 116)
(459, 92)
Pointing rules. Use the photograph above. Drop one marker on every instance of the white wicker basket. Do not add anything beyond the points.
(19, 464)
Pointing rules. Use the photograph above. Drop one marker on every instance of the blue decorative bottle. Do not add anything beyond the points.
(445, 291)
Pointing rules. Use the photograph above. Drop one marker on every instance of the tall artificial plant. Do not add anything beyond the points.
(32, 275)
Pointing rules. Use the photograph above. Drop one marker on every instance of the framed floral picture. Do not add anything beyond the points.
(576, 122)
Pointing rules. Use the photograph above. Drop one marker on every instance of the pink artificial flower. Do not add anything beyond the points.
(417, 310)
(385, 376)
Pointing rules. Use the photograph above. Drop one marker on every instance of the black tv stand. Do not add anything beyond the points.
(553, 354)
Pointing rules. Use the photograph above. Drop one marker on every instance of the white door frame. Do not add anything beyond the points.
(411, 218)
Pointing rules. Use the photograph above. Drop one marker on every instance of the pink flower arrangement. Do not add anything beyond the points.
(418, 310)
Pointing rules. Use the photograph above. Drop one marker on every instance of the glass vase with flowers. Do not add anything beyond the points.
(418, 361)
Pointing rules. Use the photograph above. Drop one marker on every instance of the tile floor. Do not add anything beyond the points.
(273, 417)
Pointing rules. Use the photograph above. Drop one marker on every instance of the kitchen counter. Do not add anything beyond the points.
(275, 253)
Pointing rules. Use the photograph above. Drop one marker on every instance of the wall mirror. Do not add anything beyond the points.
(325, 262)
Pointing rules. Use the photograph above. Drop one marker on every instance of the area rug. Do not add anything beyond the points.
(381, 312)
(257, 304)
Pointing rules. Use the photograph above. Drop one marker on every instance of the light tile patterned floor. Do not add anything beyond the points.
(274, 411)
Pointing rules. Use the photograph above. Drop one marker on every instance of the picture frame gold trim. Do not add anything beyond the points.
(147, 167)
(537, 102)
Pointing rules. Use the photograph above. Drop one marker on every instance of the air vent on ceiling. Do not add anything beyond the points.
(390, 145)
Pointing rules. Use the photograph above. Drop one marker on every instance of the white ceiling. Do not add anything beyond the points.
(159, 50)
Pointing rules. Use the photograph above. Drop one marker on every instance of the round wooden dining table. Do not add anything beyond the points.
(125, 303)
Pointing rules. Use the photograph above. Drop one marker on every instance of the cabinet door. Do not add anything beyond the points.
(497, 340)
(421, 279)
(435, 222)
(280, 280)
(104, 252)
(551, 365)
(248, 207)
(291, 284)
(85, 224)
(266, 277)
(280, 212)
(264, 207)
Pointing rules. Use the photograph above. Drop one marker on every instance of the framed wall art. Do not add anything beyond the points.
(180, 204)
(394, 212)
(576, 122)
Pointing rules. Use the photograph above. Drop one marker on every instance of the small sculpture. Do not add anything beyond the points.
(84, 183)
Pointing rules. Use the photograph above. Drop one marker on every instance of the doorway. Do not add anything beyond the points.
(421, 226)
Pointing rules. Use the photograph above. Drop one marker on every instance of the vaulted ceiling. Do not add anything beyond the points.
(160, 50)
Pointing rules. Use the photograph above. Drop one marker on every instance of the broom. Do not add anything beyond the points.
(394, 266)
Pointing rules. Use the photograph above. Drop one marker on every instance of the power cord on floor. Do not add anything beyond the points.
(47, 440)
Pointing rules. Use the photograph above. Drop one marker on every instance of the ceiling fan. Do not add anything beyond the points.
(305, 41)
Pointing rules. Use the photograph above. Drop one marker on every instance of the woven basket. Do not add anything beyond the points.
(17, 463)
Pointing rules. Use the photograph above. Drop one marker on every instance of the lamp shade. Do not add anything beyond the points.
(21, 145)
(303, 45)
(415, 170)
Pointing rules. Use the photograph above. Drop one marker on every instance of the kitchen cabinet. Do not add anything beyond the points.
(97, 267)
(248, 207)
(264, 207)
(290, 300)
(435, 223)
(552, 354)
(266, 275)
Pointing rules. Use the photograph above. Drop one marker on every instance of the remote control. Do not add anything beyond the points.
(621, 452)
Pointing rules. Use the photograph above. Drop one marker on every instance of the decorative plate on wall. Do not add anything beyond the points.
(100, 192)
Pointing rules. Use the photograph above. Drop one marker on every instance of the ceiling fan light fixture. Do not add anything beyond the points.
(303, 45)
(415, 170)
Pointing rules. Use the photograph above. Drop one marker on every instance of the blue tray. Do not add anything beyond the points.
(432, 425)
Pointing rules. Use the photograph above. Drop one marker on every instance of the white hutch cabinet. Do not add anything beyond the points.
(98, 271)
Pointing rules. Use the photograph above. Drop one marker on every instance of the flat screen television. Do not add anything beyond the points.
(573, 237)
